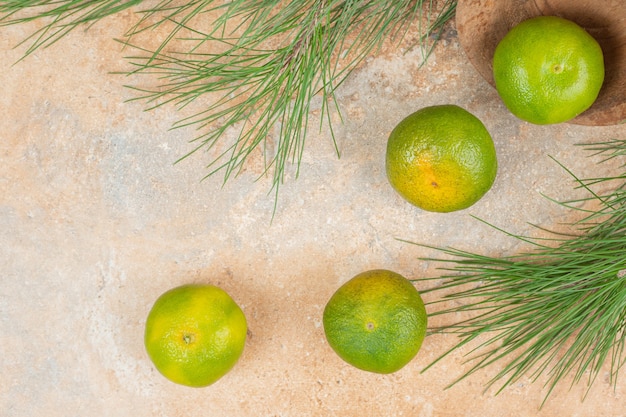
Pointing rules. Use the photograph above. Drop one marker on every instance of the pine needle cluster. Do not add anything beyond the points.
(278, 59)
(59, 17)
(266, 69)
(558, 310)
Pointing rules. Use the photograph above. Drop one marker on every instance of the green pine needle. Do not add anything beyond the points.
(558, 311)
(60, 16)
(274, 59)
(269, 68)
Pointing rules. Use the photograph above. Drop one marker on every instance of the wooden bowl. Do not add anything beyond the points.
(481, 25)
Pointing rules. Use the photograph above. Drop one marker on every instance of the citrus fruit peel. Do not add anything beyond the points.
(376, 321)
(195, 334)
(441, 159)
(548, 70)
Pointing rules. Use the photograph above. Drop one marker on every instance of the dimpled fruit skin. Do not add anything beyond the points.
(548, 70)
(441, 159)
(376, 321)
(195, 334)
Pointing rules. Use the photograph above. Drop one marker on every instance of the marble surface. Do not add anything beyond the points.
(96, 221)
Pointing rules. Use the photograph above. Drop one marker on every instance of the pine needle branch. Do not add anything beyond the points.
(273, 63)
(558, 311)
(60, 17)
(270, 69)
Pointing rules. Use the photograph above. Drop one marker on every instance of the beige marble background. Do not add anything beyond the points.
(96, 221)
